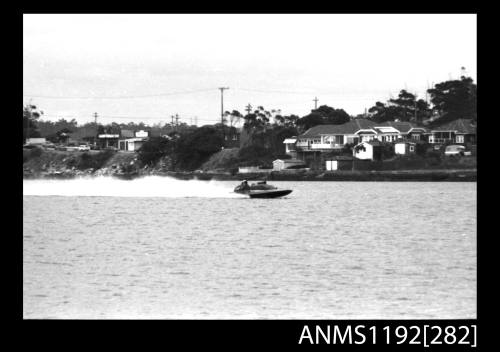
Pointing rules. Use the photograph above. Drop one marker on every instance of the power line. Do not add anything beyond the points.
(118, 97)
(189, 92)
(130, 117)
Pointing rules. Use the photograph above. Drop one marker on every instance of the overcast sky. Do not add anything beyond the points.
(277, 61)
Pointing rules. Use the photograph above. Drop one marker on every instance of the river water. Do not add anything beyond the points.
(167, 249)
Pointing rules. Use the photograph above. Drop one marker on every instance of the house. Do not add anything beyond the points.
(290, 148)
(134, 140)
(405, 130)
(324, 138)
(280, 164)
(232, 137)
(459, 131)
(130, 144)
(142, 134)
(371, 150)
(405, 147)
(329, 137)
(106, 140)
(339, 163)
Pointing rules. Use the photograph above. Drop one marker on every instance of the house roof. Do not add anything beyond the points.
(350, 127)
(460, 126)
(290, 140)
(401, 126)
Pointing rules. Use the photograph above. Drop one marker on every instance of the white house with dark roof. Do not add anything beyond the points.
(328, 137)
(459, 131)
(324, 138)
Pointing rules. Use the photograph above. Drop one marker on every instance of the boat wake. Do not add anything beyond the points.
(148, 186)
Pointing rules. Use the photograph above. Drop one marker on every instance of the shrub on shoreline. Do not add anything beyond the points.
(94, 161)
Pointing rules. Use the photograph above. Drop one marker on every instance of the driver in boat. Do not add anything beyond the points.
(244, 186)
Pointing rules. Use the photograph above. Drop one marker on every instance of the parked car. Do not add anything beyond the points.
(84, 148)
(454, 150)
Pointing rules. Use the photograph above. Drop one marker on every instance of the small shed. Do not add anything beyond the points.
(106, 140)
(131, 144)
(371, 150)
(405, 147)
(339, 163)
(280, 164)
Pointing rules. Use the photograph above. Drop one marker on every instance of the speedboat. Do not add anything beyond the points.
(261, 190)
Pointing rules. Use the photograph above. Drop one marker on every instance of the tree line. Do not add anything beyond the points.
(263, 131)
(449, 100)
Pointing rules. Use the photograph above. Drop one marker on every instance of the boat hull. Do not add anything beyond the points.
(269, 194)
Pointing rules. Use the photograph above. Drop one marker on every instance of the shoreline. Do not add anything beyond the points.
(456, 175)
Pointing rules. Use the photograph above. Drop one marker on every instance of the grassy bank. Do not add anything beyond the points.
(64, 164)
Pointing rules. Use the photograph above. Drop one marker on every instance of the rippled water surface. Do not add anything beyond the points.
(163, 248)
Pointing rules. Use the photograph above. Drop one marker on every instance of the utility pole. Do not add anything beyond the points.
(315, 103)
(222, 103)
(29, 119)
(427, 93)
(248, 109)
(176, 120)
(96, 129)
(415, 108)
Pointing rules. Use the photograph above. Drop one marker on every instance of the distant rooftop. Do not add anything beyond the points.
(460, 126)
(347, 128)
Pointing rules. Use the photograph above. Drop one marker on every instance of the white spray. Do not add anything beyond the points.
(149, 186)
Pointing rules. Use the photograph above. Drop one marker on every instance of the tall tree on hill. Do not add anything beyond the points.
(323, 115)
(234, 117)
(381, 112)
(286, 120)
(405, 103)
(454, 99)
(405, 107)
(30, 117)
(257, 120)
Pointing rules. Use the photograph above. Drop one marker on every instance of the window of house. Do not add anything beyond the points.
(460, 139)
(412, 148)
